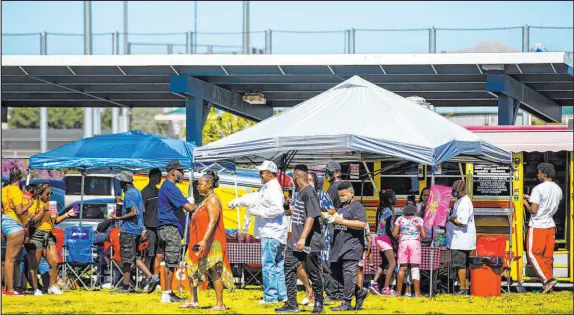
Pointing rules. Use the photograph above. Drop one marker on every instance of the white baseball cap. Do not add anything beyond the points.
(268, 166)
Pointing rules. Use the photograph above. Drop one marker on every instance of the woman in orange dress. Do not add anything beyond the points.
(207, 235)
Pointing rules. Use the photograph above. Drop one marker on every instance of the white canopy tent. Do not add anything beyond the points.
(354, 121)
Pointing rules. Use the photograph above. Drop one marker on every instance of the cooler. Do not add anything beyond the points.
(181, 273)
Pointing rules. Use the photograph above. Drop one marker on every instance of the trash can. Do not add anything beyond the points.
(485, 275)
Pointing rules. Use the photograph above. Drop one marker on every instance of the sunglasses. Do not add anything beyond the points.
(49, 194)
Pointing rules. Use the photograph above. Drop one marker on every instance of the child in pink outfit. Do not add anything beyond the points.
(410, 229)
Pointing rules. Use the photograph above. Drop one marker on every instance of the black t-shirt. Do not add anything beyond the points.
(349, 243)
(333, 193)
(149, 196)
(307, 205)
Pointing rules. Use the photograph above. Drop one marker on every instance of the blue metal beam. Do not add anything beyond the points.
(218, 97)
(570, 71)
(194, 120)
(530, 100)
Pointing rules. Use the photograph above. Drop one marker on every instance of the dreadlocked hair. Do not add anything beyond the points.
(40, 189)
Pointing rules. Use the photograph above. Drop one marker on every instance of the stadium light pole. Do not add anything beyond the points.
(88, 111)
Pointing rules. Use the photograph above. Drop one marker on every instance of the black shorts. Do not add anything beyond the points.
(459, 258)
(40, 240)
(170, 243)
(153, 243)
(129, 247)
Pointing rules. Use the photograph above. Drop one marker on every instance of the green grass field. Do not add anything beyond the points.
(246, 301)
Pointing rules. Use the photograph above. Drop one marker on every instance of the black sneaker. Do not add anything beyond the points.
(549, 285)
(287, 309)
(360, 298)
(318, 309)
(175, 299)
(345, 306)
(123, 290)
(331, 299)
(462, 292)
(152, 283)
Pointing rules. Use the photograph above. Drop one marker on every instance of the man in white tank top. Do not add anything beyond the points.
(543, 204)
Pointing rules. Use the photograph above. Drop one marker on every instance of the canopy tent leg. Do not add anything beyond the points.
(237, 208)
(432, 246)
(370, 177)
(82, 195)
(183, 250)
(510, 224)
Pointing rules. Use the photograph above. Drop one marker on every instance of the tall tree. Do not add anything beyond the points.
(58, 118)
(222, 124)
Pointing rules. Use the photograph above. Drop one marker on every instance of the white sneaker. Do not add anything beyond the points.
(54, 290)
(38, 292)
(305, 301)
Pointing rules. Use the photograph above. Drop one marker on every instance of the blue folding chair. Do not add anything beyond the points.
(79, 258)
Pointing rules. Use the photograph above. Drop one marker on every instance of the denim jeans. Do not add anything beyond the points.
(272, 264)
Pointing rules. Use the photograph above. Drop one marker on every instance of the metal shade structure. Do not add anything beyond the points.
(452, 79)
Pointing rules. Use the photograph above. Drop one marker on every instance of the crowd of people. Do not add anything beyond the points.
(327, 249)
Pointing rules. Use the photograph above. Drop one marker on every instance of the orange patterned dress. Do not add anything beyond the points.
(215, 254)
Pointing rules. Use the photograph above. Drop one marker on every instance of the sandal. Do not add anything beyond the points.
(218, 308)
(190, 305)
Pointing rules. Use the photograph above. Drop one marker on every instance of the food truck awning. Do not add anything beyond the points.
(530, 141)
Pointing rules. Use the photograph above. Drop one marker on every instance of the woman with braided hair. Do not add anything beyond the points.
(42, 241)
(207, 250)
(14, 214)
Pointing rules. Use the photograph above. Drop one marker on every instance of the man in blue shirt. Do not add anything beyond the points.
(132, 232)
(169, 228)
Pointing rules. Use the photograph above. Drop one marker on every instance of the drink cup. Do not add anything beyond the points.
(53, 208)
(111, 209)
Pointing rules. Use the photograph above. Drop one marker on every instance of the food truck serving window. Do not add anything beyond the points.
(400, 176)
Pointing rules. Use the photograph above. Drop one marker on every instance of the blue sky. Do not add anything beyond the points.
(169, 16)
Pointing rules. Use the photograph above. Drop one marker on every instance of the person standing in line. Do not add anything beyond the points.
(305, 244)
(385, 241)
(266, 205)
(461, 234)
(348, 247)
(333, 176)
(169, 229)
(132, 233)
(150, 197)
(14, 212)
(543, 204)
(410, 228)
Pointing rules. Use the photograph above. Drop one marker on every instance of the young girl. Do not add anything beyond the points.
(411, 230)
(384, 240)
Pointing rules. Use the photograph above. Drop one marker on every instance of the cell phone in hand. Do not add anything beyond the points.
(306, 249)
(195, 248)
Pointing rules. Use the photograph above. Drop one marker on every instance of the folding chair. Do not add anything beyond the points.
(79, 253)
(495, 245)
(116, 259)
(60, 236)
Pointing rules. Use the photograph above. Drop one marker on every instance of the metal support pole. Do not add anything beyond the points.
(188, 42)
(43, 110)
(88, 27)
(88, 128)
(115, 119)
(43, 129)
(126, 43)
(97, 112)
(246, 27)
(526, 38)
(432, 40)
(194, 120)
(170, 49)
(195, 4)
(351, 49)
(116, 43)
(432, 247)
(209, 49)
(268, 43)
(125, 124)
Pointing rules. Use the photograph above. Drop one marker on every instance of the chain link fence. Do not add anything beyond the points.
(361, 41)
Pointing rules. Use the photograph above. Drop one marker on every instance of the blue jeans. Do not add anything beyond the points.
(272, 263)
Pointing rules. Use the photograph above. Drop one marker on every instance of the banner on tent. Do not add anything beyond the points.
(436, 212)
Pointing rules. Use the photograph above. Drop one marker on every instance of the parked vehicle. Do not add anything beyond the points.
(93, 213)
(95, 187)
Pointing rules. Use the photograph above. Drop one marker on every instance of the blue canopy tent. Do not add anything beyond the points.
(134, 150)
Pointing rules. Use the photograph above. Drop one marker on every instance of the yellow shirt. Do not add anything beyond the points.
(12, 196)
(46, 223)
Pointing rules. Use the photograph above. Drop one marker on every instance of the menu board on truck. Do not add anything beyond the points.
(491, 180)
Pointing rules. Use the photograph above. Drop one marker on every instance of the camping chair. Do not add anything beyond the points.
(116, 259)
(495, 245)
(79, 253)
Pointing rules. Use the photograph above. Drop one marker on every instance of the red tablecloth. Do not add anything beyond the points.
(244, 253)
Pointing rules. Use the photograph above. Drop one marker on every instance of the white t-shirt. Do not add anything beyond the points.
(462, 238)
(547, 195)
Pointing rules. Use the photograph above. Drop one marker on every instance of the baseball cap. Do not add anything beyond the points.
(333, 166)
(125, 176)
(174, 165)
(268, 166)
